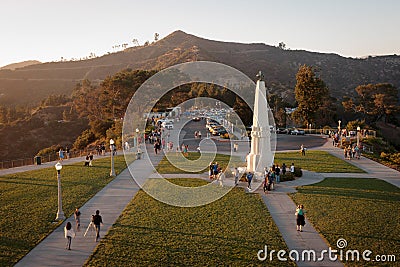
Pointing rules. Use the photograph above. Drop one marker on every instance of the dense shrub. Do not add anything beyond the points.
(48, 150)
(288, 176)
(298, 172)
(84, 139)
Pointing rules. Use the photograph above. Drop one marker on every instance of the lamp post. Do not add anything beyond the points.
(112, 147)
(358, 136)
(60, 213)
(340, 133)
(137, 137)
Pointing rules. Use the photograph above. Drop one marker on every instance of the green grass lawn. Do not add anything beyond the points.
(365, 212)
(227, 232)
(29, 202)
(165, 165)
(317, 161)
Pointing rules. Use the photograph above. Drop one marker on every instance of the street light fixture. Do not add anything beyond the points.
(340, 133)
(137, 137)
(112, 147)
(358, 135)
(60, 213)
(138, 152)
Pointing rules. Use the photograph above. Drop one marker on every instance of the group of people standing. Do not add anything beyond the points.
(95, 222)
(352, 152)
(101, 150)
(197, 134)
(214, 170)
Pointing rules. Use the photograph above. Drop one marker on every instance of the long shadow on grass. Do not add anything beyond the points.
(203, 245)
(185, 234)
(26, 183)
(375, 238)
(340, 192)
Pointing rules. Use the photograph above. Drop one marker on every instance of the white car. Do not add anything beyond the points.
(168, 125)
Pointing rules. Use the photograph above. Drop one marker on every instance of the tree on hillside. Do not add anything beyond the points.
(282, 46)
(374, 102)
(105, 104)
(135, 42)
(156, 36)
(277, 106)
(310, 93)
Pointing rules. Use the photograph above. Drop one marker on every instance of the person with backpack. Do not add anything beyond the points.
(249, 179)
(300, 218)
(69, 233)
(97, 220)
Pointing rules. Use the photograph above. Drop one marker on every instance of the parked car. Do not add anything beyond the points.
(168, 125)
(219, 131)
(297, 132)
(196, 119)
(281, 131)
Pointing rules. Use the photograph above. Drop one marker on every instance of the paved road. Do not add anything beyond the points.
(284, 141)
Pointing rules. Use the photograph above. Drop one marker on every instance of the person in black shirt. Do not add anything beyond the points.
(97, 220)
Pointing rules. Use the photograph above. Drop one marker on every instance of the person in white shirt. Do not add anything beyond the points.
(69, 233)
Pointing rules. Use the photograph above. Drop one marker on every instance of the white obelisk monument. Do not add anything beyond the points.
(260, 154)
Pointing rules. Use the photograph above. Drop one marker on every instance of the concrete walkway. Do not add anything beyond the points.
(111, 201)
(282, 209)
(373, 169)
(49, 164)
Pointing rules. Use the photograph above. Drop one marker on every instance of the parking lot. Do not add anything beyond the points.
(284, 141)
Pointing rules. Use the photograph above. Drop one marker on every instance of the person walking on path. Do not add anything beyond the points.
(69, 233)
(249, 179)
(302, 150)
(61, 154)
(215, 170)
(236, 173)
(97, 220)
(77, 216)
(210, 173)
(156, 147)
(300, 218)
(271, 180)
(265, 184)
(67, 152)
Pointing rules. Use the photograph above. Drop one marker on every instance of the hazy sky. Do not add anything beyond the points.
(47, 30)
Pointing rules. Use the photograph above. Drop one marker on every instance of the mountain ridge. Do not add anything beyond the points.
(341, 74)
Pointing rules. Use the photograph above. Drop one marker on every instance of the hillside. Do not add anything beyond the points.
(22, 64)
(32, 83)
(24, 138)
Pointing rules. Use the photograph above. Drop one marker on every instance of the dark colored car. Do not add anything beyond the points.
(297, 132)
(281, 131)
(196, 119)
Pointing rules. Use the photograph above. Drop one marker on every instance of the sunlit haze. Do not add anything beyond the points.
(47, 30)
